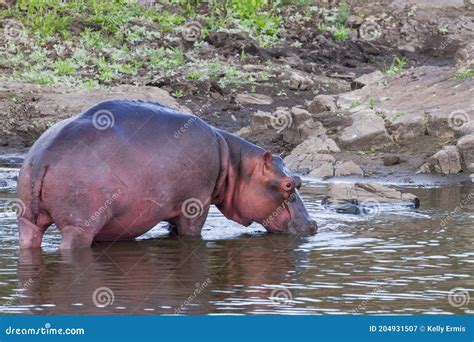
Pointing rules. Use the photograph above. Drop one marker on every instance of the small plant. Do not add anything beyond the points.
(340, 32)
(64, 67)
(398, 64)
(372, 103)
(412, 11)
(177, 93)
(355, 103)
(464, 74)
(281, 93)
(297, 44)
(443, 29)
(381, 114)
(322, 26)
(193, 75)
(397, 116)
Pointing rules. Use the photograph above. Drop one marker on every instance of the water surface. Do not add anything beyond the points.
(390, 262)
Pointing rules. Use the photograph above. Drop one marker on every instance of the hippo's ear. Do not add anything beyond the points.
(267, 160)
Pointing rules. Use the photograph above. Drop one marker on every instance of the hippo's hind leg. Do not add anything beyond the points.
(77, 237)
(31, 235)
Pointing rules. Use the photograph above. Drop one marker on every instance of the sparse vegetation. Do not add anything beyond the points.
(398, 64)
(465, 73)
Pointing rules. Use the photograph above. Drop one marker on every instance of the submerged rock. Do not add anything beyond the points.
(365, 198)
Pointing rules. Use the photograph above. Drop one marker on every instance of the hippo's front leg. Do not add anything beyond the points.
(192, 219)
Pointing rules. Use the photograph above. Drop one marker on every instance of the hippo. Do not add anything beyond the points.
(116, 170)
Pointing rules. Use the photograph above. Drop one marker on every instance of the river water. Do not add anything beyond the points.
(387, 262)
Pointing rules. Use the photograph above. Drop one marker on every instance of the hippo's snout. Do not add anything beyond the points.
(307, 228)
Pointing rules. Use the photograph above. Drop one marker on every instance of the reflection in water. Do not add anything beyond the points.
(394, 262)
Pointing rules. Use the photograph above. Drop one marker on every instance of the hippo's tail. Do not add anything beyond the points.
(30, 185)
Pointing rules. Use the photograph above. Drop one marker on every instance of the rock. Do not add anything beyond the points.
(367, 79)
(300, 80)
(323, 166)
(260, 121)
(470, 167)
(258, 99)
(302, 126)
(366, 131)
(447, 161)
(349, 101)
(408, 127)
(466, 146)
(347, 168)
(322, 103)
(354, 21)
(464, 56)
(313, 155)
(366, 198)
(389, 160)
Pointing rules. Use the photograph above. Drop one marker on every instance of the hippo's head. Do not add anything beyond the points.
(270, 197)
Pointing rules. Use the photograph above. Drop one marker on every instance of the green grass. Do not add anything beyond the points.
(464, 74)
(397, 66)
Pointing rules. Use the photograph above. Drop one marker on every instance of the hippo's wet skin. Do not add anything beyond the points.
(116, 170)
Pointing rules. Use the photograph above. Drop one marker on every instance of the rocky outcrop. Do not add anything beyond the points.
(447, 162)
(365, 198)
(27, 110)
(367, 131)
(466, 146)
